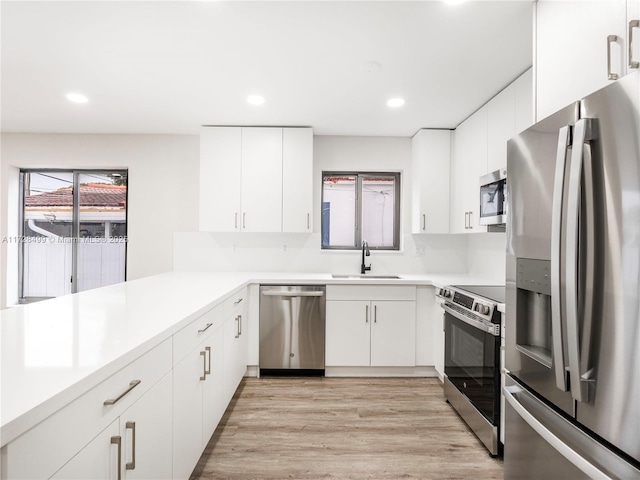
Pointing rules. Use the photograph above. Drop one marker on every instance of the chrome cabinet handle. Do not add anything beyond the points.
(375, 314)
(308, 221)
(366, 314)
(240, 324)
(632, 24)
(237, 327)
(610, 40)
(236, 221)
(237, 302)
(424, 222)
(244, 220)
(112, 401)
(470, 221)
(207, 369)
(132, 464)
(205, 328)
(466, 217)
(204, 365)
(557, 257)
(117, 440)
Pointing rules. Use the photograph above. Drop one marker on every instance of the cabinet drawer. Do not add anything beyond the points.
(371, 292)
(41, 451)
(235, 302)
(190, 336)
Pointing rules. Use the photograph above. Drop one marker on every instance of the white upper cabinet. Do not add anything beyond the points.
(256, 179)
(261, 179)
(468, 164)
(509, 113)
(297, 179)
(479, 146)
(581, 46)
(220, 170)
(524, 116)
(430, 167)
(501, 126)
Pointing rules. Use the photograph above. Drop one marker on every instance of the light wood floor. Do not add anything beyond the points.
(380, 428)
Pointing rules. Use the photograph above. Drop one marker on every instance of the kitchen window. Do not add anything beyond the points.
(359, 207)
(73, 231)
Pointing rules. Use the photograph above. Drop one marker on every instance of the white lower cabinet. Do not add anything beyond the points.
(197, 405)
(212, 389)
(98, 460)
(348, 333)
(137, 445)
(235, 353)
(370, 326)
(393, 334)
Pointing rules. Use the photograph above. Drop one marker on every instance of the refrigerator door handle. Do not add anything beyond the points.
(511, 394)
(557, 258)
(580, 295)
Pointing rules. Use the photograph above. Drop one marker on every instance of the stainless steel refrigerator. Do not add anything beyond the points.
(572, 291)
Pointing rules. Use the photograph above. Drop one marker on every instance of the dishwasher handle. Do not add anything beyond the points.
(285, 293)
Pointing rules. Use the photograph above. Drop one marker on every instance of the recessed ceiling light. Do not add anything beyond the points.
(255, 99)
(395, 102)
(77, 98)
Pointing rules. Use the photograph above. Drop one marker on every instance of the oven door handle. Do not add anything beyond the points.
(493, 329)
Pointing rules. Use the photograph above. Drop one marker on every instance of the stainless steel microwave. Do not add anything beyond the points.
(493, 200)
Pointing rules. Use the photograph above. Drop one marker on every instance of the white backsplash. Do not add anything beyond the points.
(486, 255)
(247, 252)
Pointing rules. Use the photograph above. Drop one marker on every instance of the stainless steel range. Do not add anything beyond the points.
(472, 357)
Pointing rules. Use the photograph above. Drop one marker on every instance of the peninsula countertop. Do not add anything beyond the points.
(54, 351)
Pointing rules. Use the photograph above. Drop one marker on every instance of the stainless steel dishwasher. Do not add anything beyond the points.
(292, 329)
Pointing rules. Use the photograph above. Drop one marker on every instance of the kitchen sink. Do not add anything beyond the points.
(360, 277)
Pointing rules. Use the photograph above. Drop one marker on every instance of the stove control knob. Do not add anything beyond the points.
(446, 293)
(443, 292)
(482, 309)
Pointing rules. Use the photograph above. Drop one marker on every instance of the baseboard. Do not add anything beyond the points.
(422, 371)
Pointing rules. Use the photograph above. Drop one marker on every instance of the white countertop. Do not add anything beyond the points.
(56, 350)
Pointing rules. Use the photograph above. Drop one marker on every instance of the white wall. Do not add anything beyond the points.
(163, 199)
(302, 253)
(163, 190)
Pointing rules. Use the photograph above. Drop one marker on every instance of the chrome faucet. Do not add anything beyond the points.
(365, 251)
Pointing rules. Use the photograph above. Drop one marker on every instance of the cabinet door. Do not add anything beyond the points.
(297, 179)
(235, 354)
(348, 333)
(469, 163)
(393, 334)
(524, 101)
(633, 15)
(261, 180)
(220, 169)
(571, 49)
(501, 126)
(430, 164)
(187, 413)
(98, 460)
(213, 405)
(148, 421)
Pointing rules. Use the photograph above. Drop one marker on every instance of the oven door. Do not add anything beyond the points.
(471, 362)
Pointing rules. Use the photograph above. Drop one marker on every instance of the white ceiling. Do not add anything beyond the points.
(169, 67)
